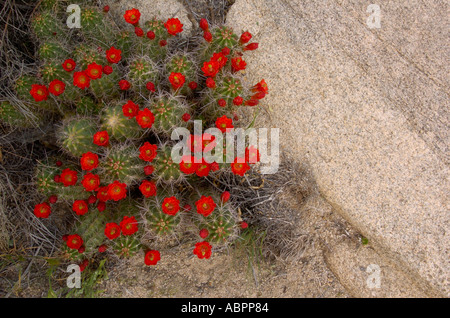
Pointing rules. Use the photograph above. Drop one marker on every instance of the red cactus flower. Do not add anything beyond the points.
(252, 154)
(151, 87)
(132, 16)
(42, 210)
(74, 241)
(69, 65)
(208, 142)
(171, 206)
(173, 26)
(214, 166)
(145, 118)
(261, 87)
(147, 152)
(82, 249)
(204, 233)
(210, 68)
(106, 9)
(177, 80)
(187, 207)
(81, 80)
(113, 55)
(225, 197)
(238, 167)
(94, 71)
(203, 169)
(162, 43)
(187, 165)
(56, 87)
(59, 163)
(112, 230)
(193, 85)
(148, 188)
(92, 199)
(238, 64)
(138, 31)
(69, 177)
(251, 47)
(117, 191)
(203, 250)
(102, 194)
(204, 24)
(107, 69)
(245, 37)
(205, 206)
(57, 178)
(53, 199)
(124, 85)
(210, 82)
(207, 36)
(148, 170)
(223, 123)
(244, 225)
(101, 206)
(152, 257)
(91, 182)
(80, 207)
(102, 248)
(220, 58)
(129, 225)
(130, 109)
(101, 138)
(186, 117)
(151, 35)
(238, 101)
(226, 51)
(39, 92)
(89, 161)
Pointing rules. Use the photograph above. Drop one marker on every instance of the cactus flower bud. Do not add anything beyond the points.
(245, 37)
(251, 47)
(204, 25)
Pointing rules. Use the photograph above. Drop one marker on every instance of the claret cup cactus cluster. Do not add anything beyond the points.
(116, 92)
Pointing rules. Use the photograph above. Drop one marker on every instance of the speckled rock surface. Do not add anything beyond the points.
(368, 109)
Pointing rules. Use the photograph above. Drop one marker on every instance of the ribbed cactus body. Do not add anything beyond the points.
(76, 136)
(141, 71)
(94, 28)
(222, 37)
(87, 106)
(165, 169)
(126, 246)
(91, 229)
(123, 164)
(106, 87)
(46, 185)
(11, 116)
(227, 88)
(221, 225)
(54, 70)
(117, 125)
(88, 54)
(180, 63)
(168, 112)
(53, 50)
(46, 25)
(150, 47)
